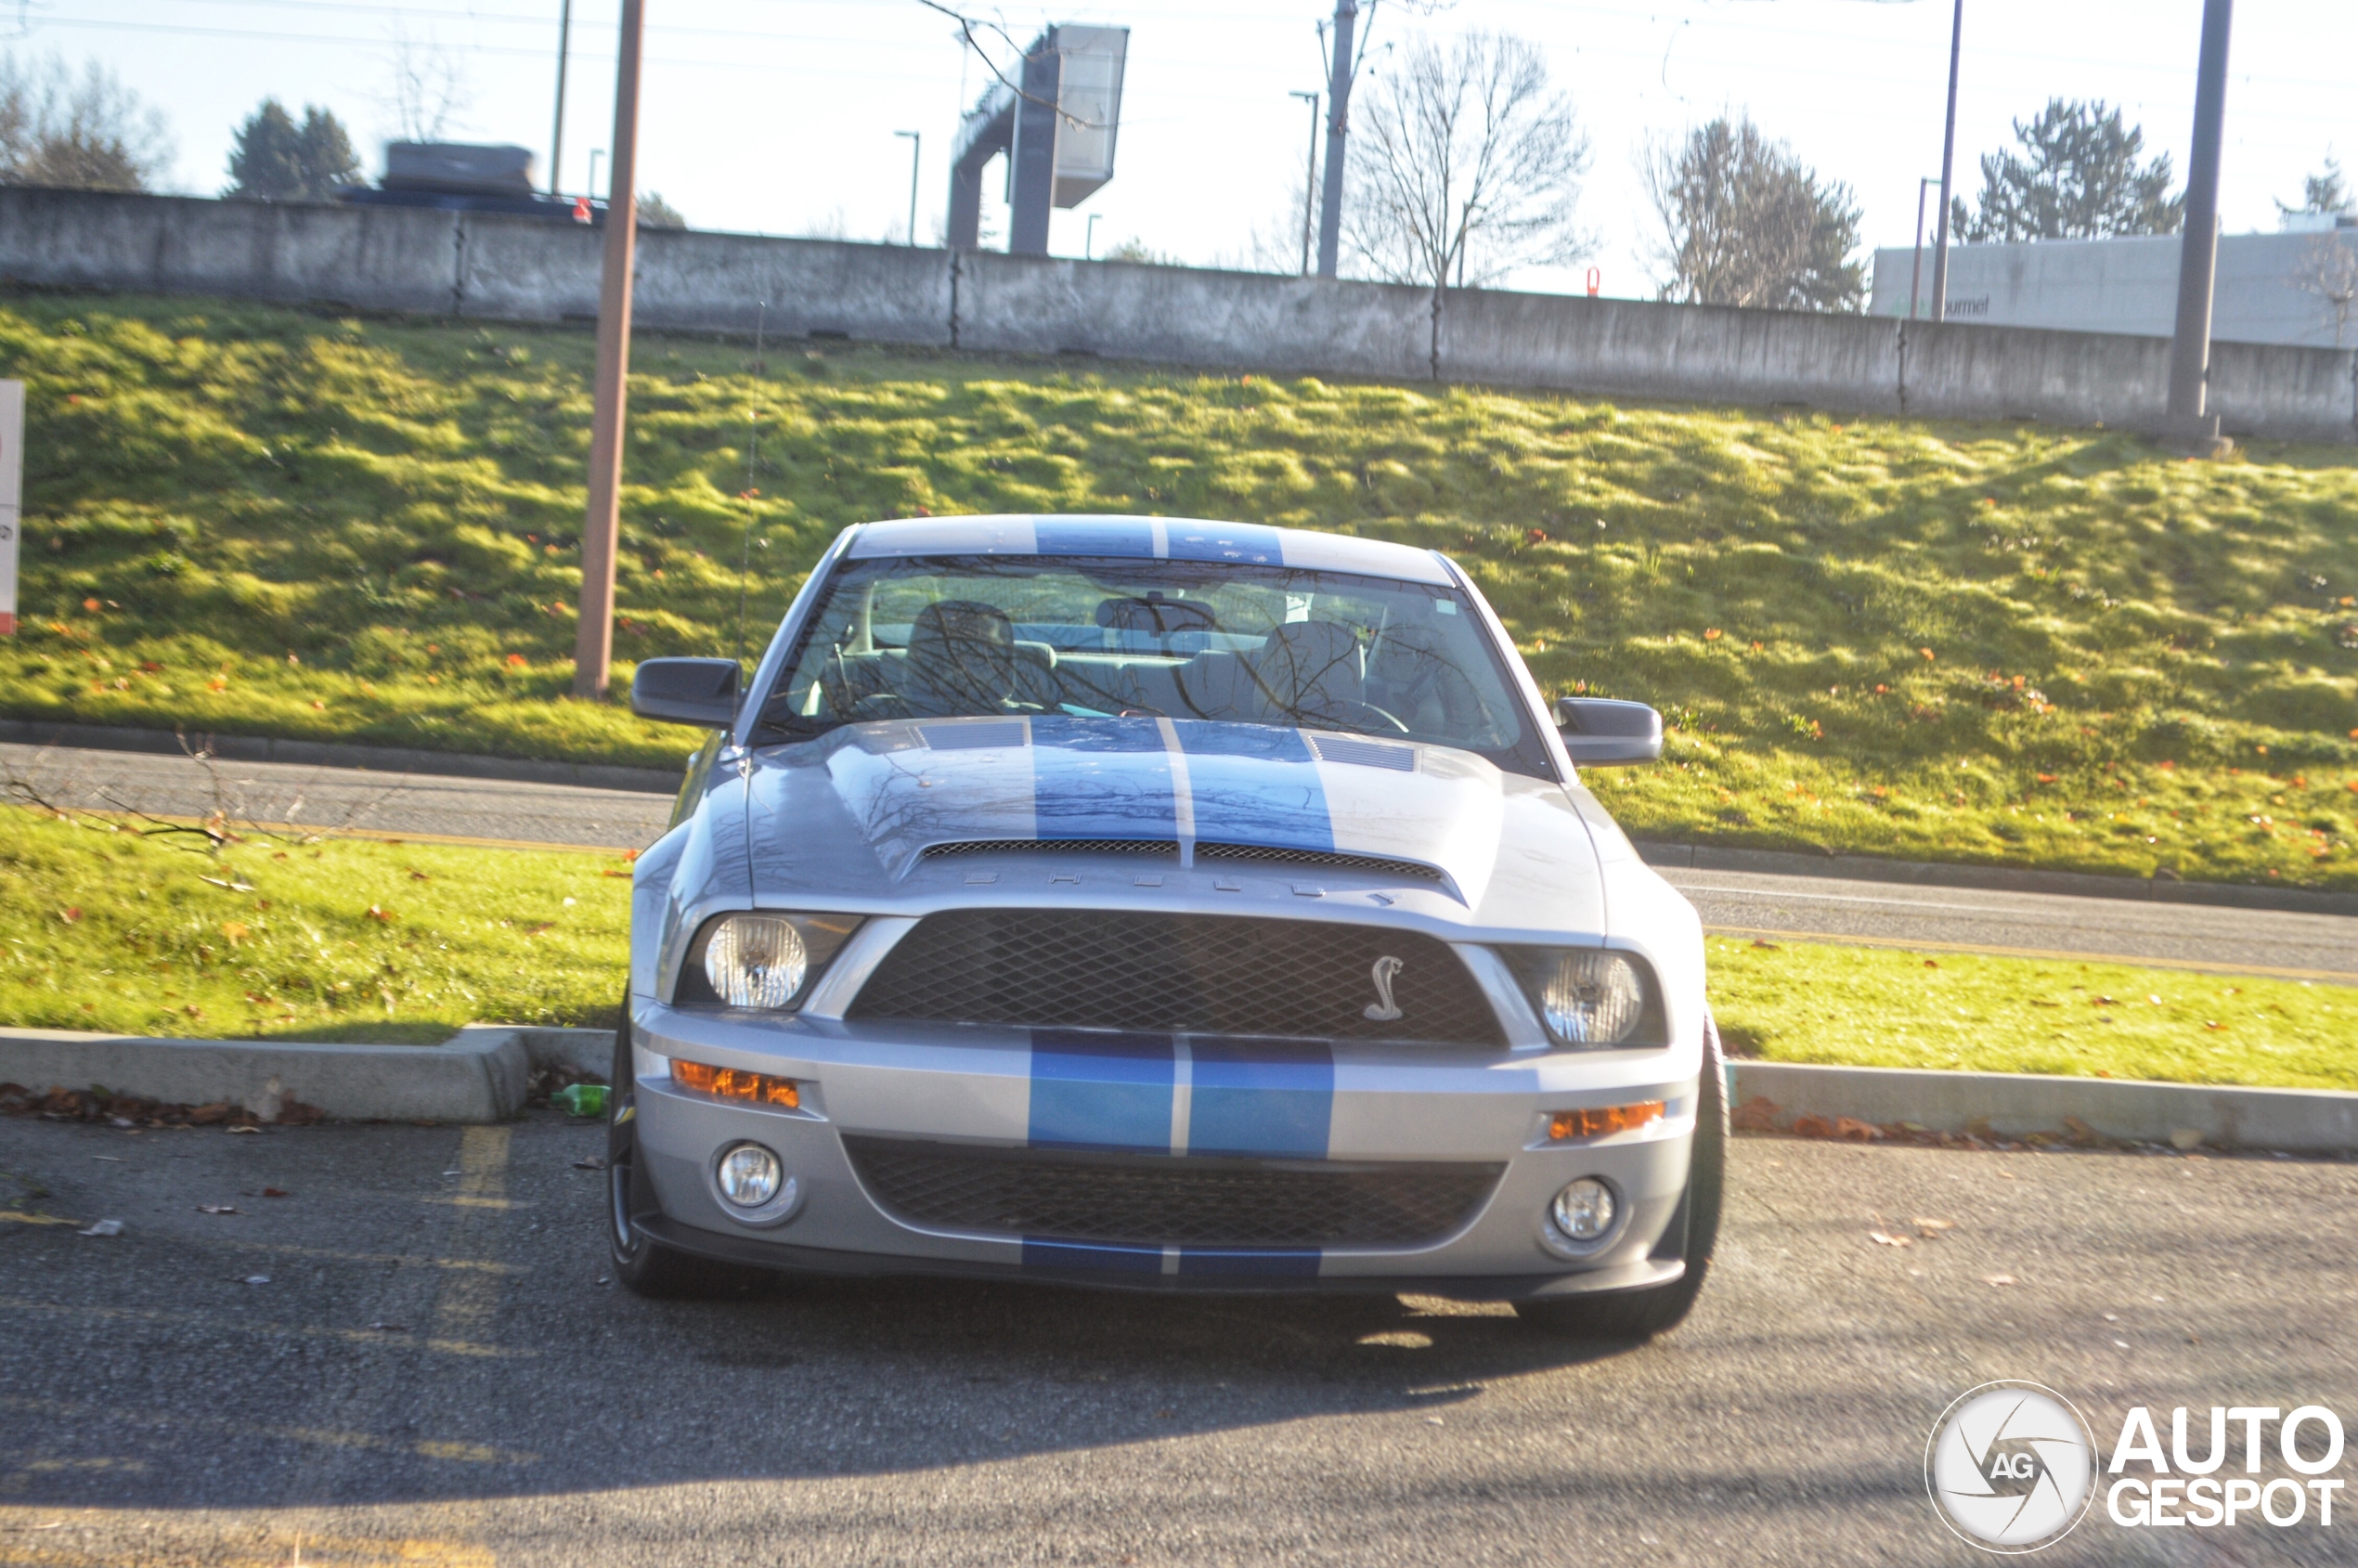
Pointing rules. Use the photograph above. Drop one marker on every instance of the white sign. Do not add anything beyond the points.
(11, 498)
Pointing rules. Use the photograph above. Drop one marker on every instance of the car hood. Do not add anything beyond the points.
(853, 813)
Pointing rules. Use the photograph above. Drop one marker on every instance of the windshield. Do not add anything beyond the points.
(946, 637)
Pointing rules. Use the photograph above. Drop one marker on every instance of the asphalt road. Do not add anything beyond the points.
(423, 804)
(222, 1389)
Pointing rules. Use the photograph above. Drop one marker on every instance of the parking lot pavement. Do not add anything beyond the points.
(411, 1358)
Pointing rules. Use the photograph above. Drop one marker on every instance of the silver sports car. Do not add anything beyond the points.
(1160, 903)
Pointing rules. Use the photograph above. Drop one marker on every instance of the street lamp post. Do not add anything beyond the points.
(1344, 67)
(1916, 272)
(557, 134)
(1948, 168)
(1309, 175)
(601, 525)
(915, 144)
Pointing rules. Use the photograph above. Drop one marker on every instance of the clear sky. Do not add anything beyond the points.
(777, 116)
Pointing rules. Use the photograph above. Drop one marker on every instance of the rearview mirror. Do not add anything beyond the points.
(687, 691)
(1600, 732)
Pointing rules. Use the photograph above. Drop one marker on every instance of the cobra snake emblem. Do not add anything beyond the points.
(1384, 1010)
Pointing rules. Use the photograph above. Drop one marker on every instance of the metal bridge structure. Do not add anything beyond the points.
(1055, 121)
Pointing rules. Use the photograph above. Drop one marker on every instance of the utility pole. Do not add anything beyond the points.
(1948, 169)
(2199, 254)
(1343, 68)
(601, 529)
(916, 143)
(557, 134)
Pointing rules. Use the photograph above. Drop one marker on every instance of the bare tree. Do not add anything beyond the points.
(427, 91)
(91, 134)
(1745, 223)
(2328, 269)
(1467, 165)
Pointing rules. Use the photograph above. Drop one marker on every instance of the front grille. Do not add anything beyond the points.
(1195, 974)
(1319, 857)
(1167, 1200)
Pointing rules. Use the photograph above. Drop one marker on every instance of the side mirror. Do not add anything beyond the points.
(687, 691)
(1600, 732)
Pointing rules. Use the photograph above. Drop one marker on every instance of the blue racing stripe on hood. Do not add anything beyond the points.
(1274, 1098)
(1079, 793)
(1292, 1262)
(1100, 1090)
(1245, 794)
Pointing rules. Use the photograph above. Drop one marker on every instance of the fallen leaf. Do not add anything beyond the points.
(1857, 1131)
(69, 916)
(1770, 946)
(234, 931)
(417, 876)
(1931, 1229)
(1888, 1241)
(1758, 1114)
(233, 886)
(276, 1192)
(379, 914)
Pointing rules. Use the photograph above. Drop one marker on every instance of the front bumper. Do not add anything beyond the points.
(1140, 1098)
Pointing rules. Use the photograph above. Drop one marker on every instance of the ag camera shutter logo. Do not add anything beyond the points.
(2010, 1467)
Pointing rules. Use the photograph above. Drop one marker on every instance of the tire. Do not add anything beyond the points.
(1641, 1314)
(646, 1266)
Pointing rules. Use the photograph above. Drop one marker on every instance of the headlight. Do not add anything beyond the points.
(1589, 997)
(759, 960)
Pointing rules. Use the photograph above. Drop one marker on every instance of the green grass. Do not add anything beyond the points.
(1950, 642)
(1859, 1007)
(105, 926)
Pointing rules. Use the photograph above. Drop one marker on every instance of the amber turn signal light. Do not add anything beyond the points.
(730, 1084)
(1568, 1124)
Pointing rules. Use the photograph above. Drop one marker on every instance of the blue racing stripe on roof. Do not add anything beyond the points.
(1092, 1089)
(1075, 795)
(1254, 542)
(1094, 536)
(1245, 792)
(1273, 1098)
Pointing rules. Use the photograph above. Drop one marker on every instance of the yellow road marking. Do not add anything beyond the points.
(83, 1539)
(2338, 977)
(83, 1413)
(33, 1219)
(465, 1304)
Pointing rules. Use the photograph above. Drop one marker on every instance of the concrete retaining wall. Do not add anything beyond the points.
(525, 269)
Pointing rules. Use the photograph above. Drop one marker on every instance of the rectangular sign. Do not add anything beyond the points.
(11, 498)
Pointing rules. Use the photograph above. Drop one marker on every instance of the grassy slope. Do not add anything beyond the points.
(1947, 641)
(114, 930)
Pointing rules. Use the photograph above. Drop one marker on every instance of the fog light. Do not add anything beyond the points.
(750, 1174)
(1584, 1211)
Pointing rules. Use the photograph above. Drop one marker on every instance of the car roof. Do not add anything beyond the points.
(1158, 539)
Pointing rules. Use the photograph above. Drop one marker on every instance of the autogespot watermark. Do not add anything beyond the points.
(2013, 1467)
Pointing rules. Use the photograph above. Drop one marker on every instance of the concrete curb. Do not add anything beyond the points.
(2004, 879)
(2296, 1121)
(482, 1074)
(339, 754)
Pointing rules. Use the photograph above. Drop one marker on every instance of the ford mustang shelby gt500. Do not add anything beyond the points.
(1154, 902)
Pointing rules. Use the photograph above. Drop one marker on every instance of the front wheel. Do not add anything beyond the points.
(646, 1266)
(1641, 1314)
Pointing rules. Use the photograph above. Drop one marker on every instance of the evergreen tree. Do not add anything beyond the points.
(1744, 222)
(2077, 178)
(275, 160)
(2322, 192)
